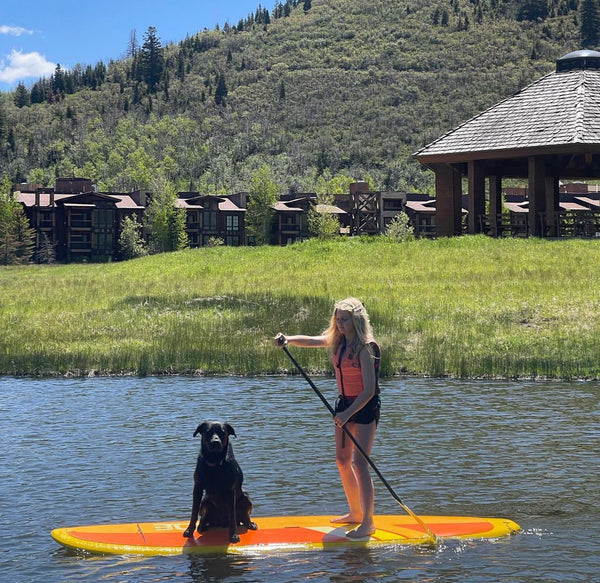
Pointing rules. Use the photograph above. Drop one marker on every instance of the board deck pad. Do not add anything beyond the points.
(285, 533)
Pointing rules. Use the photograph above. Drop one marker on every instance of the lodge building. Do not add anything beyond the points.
(85, 225)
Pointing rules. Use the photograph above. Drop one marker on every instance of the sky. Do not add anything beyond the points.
(36, 35)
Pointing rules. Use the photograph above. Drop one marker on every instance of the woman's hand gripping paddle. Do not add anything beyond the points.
(282, 343)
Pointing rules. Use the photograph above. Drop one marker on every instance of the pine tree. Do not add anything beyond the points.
(24, 234)
(590, 23)
(151, 60)
(533, 9)
(21, 97)
(58, 81)
(3, 130)
(178, 238)
(47, 250)
(37, 93)
(16, 236)
(221, 90)
(133, 45)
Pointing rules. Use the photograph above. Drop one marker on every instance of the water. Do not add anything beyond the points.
(87, 451)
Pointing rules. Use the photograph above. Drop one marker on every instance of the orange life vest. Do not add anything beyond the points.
(348, 372)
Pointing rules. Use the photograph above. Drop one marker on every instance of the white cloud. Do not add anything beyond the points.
(14, 30)
(24, 65)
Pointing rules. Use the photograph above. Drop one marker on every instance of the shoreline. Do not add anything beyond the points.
(198, 374)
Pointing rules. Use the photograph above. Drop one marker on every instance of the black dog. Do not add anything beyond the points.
(218, 496)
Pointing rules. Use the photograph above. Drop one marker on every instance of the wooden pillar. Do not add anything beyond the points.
(536, 194)
(552, 206)
(448, 192)
(476, 196)
(495, 210)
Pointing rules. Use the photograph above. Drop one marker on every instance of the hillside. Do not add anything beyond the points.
(336, 87)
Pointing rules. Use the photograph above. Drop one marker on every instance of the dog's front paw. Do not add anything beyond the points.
(252, 525)
(189, 531)
(234, 538)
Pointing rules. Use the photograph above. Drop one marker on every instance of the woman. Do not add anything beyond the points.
(356, 357)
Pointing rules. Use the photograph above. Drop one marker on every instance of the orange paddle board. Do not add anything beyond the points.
(287, 533)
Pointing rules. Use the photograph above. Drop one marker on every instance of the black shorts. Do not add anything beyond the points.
(369, 413)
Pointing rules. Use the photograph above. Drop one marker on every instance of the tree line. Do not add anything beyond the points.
(147, 63)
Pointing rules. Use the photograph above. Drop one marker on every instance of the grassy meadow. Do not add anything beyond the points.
(464, 307)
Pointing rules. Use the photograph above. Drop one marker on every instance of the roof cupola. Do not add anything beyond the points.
(579, 60)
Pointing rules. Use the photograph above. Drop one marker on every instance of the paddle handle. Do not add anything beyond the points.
(282, 342)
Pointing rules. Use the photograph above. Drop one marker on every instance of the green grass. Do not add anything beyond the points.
(465, 307)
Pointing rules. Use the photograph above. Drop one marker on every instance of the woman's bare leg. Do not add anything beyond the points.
(344, 449)
(364, 435)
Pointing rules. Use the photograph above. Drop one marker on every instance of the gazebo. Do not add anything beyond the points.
(548, 131)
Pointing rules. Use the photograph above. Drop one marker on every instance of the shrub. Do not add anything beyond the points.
(400, 228)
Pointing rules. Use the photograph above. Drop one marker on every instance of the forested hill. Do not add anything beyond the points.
(313, 88)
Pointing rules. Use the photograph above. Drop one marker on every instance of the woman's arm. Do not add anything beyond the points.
(301, 341)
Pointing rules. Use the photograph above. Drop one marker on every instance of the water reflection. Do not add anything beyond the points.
(227, 568)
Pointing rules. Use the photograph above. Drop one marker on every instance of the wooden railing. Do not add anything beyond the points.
(562, 224)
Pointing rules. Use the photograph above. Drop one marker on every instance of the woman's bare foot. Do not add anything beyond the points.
(346, 519)
(362, 531)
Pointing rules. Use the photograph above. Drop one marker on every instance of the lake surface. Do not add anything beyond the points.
(85, 451)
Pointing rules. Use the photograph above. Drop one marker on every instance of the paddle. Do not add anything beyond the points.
(282, 343)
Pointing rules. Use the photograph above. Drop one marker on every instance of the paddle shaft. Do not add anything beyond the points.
(358, 446)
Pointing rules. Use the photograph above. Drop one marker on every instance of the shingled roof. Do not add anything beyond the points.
(557, 113)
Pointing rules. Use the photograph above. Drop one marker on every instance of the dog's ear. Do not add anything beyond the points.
(230, 430)
(201, 428)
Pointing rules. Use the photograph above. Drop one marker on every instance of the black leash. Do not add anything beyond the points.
(357, 445)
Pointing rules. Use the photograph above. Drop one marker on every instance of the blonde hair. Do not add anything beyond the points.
(360, 320)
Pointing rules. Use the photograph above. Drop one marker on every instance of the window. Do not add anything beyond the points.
(210, 220)
(46, 219)
(79, 240)
(233, 223)
(393, 204)
(102, 242)
(80, 218)
(289, 220)
(103, 218)
(194, 219)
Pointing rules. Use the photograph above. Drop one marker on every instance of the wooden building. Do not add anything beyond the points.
(291, 221)
(211, 217)
(80, 226)
(547, 132)
(84, 225)
(291, 217)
